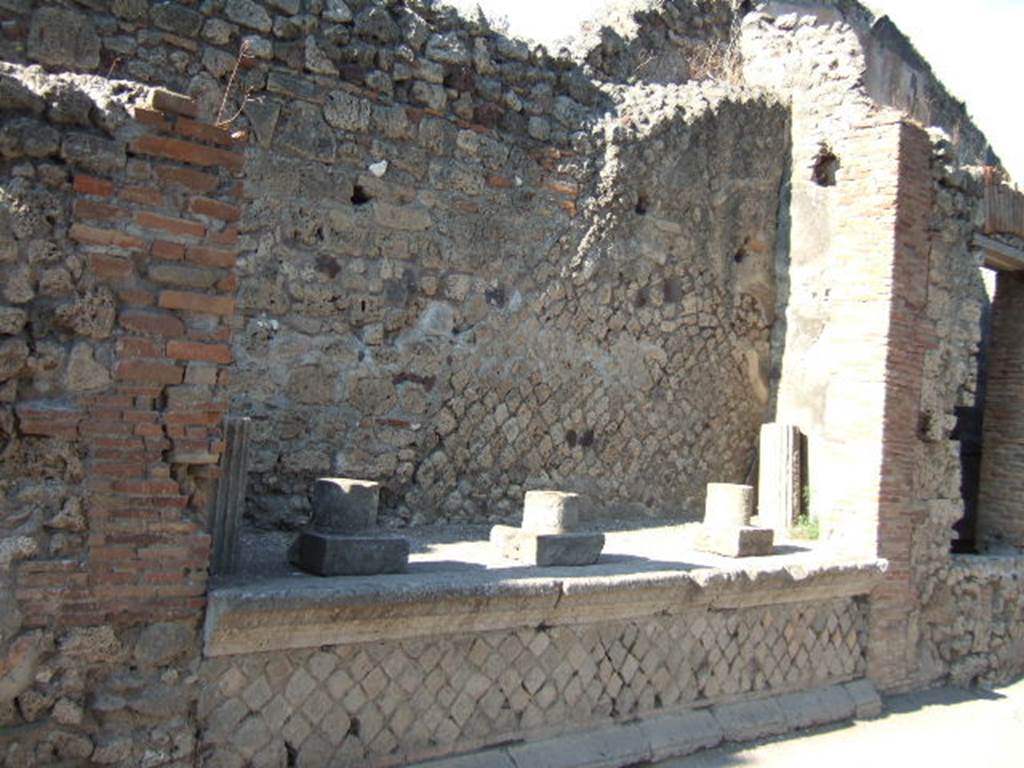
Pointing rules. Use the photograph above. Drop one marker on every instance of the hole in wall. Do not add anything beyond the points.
(359, 195)
(641, 205)
(826, 163)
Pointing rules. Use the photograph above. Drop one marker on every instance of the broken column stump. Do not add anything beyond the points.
(778, 477)
(548, 536)
(727, 530)
(343, 539)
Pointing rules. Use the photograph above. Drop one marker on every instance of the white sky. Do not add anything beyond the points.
(976, 47)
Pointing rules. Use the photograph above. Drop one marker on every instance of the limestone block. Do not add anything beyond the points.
(344, 505)
(866, 701)
(806, 709)
(778, 485)
(747, 720)
(728, 504)
(683, 734)
(740, 541)
(547, 549)
(551, 511)
(330, 554)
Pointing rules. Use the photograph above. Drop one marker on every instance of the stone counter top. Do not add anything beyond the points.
(479, 593)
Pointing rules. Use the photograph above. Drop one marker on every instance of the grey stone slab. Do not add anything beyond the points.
(679, 735)
(491, 758)
(867, 703)
(547, 549)
(330, 554)
(744, 541)
(551, 511)
(748, 720)
(344, 505)
(807, 709)
(610, 747)
(728, 504)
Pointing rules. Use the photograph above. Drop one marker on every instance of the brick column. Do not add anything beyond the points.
(1001, 492)
(892, 655)
(160, 238)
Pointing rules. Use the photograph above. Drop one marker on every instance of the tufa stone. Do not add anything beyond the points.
(62, 38)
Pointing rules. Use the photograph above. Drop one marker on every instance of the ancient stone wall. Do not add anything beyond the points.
(467, 271)
(117, 248)
(389, 703)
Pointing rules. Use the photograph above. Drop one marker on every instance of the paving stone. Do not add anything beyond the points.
(612, 746)
(748, 720)
(806, 709)
(678, 735)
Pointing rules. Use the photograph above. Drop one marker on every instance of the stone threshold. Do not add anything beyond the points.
(677, 735)
(289, 613)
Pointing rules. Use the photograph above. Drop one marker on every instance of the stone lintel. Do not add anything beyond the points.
(288, 612)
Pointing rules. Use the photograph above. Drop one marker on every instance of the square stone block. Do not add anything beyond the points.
(344, 505)
(547, 549)
(737, 541)
(331, 554)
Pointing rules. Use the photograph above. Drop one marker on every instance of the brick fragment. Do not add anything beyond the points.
(152, 118)
(215, 209)
(164, 249)
(197, 302)
(142, 195)
(89, 235)
(198, 181)
(190, 350)
(169, 224)
(187, 152)
(203, 132)
(111, 267)
(175, 103)
(90, 209)
(212, 257)
(149, 371)
(90, 185)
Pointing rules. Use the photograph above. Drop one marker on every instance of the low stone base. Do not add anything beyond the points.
(331, 554)
(663, 737)
(547, 548)
(745, 541)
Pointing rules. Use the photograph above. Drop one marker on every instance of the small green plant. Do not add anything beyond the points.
(805, 527)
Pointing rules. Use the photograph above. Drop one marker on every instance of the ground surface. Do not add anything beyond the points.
(937, 728)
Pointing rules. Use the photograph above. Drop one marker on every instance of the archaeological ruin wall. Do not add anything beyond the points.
(419, 251)
(433, 326)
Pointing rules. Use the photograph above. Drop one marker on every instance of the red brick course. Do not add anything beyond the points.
(147, 553)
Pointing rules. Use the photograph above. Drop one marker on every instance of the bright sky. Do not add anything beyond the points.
(975, 46)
